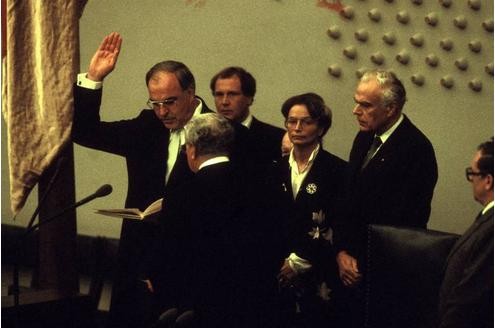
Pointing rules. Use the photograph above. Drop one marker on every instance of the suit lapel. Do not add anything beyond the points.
(309, 186)
(286, 179)
(204, 107)
(477, 224)
(389, 148)
(359, 149)
(254, 125)
(181, 170)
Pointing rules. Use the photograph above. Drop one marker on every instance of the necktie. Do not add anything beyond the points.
(374, 146)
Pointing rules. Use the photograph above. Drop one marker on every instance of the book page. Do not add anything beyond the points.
(156, 206)
(133, 213)
(122, 213)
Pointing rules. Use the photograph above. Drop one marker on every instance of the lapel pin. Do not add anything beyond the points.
(311, 188)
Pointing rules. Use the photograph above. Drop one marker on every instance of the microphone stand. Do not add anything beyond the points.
(15, 273)
(60, 162)
(101, 192)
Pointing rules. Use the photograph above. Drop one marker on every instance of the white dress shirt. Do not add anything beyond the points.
(296, 263)
(385, 135)
(297, 177)
(176, 140)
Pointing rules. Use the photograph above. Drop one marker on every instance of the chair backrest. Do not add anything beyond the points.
(405, 267)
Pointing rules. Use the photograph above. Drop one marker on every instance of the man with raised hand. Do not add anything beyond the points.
(150, 144)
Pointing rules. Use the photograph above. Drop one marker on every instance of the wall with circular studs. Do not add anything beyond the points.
(446, 44)
(442, 50)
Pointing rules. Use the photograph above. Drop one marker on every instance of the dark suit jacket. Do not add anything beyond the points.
(322, 193)
(267, 139)
(466, 294)
(216, 248)
(143, 142)
(395, 188)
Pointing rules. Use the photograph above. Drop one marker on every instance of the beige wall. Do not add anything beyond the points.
(284, 43)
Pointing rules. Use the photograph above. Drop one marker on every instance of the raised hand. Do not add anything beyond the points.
(105, 58)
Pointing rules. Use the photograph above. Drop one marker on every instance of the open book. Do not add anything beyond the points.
(133, 213)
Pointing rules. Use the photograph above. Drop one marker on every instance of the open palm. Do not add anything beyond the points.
(105, 58)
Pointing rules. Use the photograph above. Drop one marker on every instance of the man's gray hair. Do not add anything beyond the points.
(210, 134)
(393, 90)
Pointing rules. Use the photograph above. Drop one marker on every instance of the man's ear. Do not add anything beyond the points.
(320, 132)
(392, 110)
(190, 93)
(489, 182)
(192, 149)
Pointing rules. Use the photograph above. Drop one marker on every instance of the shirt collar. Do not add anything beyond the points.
(385, 135)
(487, 207)
(292, 160)
(247, 121)
(214, 160)
(197, 111)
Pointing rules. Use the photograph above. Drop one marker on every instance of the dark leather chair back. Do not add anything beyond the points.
(405, 268)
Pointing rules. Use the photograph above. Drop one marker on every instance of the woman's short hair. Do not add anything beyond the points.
(316, 107)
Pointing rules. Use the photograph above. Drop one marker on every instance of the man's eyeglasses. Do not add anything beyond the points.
(156, 104)
(305, 122)
(470, 173)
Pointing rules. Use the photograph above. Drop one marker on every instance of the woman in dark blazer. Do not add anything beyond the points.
(314, 181)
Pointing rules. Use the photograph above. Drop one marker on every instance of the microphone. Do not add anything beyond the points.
(103, 191)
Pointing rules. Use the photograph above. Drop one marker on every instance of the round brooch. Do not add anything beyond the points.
(311, 188)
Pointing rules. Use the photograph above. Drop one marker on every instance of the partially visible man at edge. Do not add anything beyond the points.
(393, 172)
(466, 293)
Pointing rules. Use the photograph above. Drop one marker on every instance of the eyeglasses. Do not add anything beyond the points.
(229, 95)
(470, 173)
(305, 122)
(156, 104)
